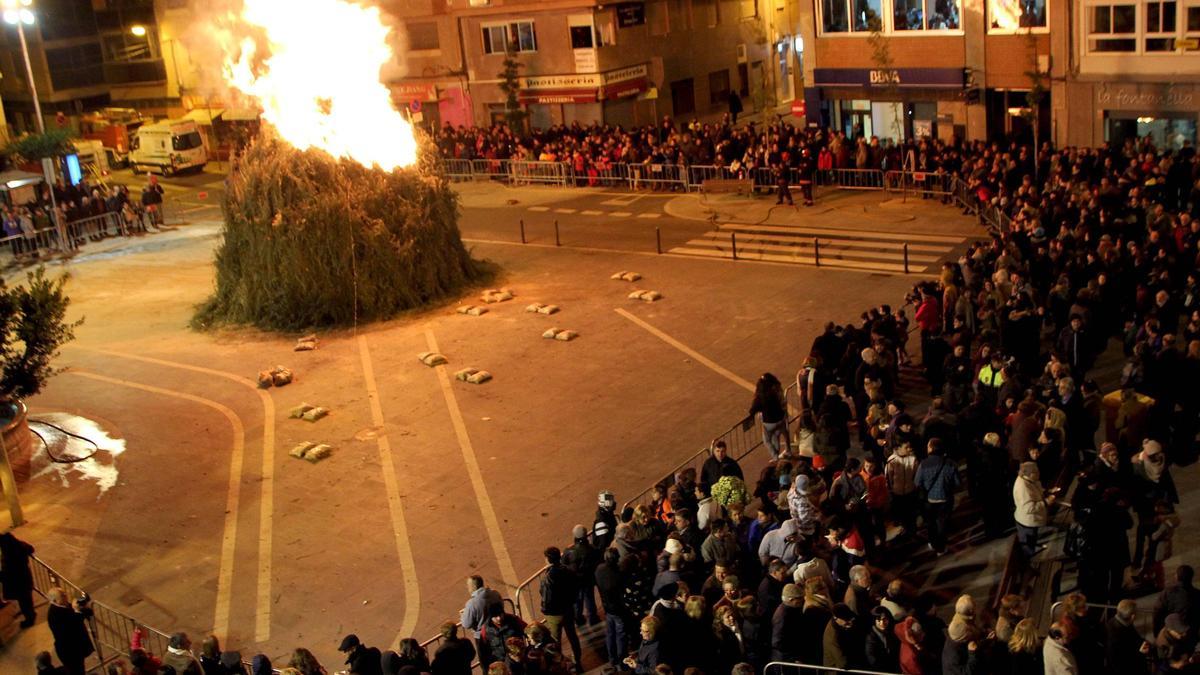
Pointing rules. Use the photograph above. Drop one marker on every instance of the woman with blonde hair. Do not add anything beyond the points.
(1024, 650)
(304, 661)
(730, 640)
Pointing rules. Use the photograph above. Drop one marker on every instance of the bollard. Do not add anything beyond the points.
(658, 240)
(817, 251)
(906, 257)
(733, 243)
(522, 230)
(557, 242)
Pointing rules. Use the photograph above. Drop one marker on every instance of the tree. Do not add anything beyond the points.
(510, 84)
(35, 147)
(33, 327)
(881, 54)
(1035, 96)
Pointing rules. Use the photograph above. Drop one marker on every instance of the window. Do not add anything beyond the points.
(1160, 19)
(423, 36)
(718, 87)
(77, 66)
(709, 12)
(748, 9)
(925, 15)
(743, 79)
(517, 36)
(582, 38)
(1193, 19)
(1015, 15)
(186, 141)
(1113, 28)
(857, 16)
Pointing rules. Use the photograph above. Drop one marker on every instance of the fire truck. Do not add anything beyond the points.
(114, 128)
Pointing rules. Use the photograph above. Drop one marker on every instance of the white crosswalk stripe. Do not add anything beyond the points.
(829, 247)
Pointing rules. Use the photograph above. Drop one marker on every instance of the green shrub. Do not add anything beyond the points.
(33, 326)
(310, 240)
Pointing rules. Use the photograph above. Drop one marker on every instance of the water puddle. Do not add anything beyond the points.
(67, 455)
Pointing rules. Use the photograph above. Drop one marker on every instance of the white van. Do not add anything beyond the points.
(167, 147)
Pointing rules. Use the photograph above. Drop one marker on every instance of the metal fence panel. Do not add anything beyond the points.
(458, 170)
(531, 173)
(528, 598)
(491, 169)
(657, 176)
(857, 179)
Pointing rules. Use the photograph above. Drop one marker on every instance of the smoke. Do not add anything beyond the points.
(215, 35)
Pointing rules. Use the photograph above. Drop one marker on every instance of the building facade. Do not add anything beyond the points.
(589, 61)
(1134, 71)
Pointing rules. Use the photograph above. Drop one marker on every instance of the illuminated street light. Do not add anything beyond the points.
(17, 13)
(138, 30)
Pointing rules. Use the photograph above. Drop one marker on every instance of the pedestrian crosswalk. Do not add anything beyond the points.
(892, 252)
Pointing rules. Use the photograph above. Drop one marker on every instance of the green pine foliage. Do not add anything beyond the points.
(33, 326)
(312, 241)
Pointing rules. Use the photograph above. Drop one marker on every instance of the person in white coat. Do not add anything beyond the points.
(1057, 658)
(1031, 505)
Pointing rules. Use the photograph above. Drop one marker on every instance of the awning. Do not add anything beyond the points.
(557, 96)
(240, 115)
(204, 115)
(11, 180)
(625, 89)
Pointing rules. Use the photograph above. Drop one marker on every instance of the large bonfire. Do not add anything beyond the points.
(337, 213)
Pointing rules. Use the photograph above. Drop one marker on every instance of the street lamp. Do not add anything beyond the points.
(138, 30)
(17, 13)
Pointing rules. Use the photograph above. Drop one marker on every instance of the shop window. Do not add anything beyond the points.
(1016, 15)
(854, 16)
(423, 35)
(718, 87)
(925, 15)
(1113, 28)
(517, 36)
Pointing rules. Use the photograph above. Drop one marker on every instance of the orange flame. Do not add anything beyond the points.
(319, 84)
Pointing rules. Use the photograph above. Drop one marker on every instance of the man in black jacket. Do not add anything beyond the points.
(454, 654)
(68, 625)
(559, 591)
(16, 576)
(1123, 643)
(361, 659)
(719, 464)
(617, 617)
(582, 558)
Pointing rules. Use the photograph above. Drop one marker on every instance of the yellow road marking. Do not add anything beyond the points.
(266, 510)
(695, 355)
(408, 566)
(490, 522)
(229, 536)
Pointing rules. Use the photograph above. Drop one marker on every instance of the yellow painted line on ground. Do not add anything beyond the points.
(649, 215)
(621, 214)
(408, 565)
(564, 210)
(266, 508)
(695, 355)
(490, 522)
(229, 536)
(539, 208)
(591, 212)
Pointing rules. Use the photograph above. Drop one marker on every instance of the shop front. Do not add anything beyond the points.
(585, 98)
(897, 103)
(1166, 113)
(431, 104)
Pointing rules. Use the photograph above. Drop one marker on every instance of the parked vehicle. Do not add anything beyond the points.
(114, 128)
(168, 147)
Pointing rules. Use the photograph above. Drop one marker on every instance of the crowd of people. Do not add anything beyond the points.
(721, 572)
(78, 208)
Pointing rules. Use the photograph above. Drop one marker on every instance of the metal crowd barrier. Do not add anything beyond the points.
(491, 169)
(430, 645)
(924, 183)
(528, 598)
(783, 667)
(658, 176)
(530, 172)
(111, 630)
(740, 440)
(857, 179)
(458, 170)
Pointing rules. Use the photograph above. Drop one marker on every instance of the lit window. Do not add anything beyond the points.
(1014, 15)
(925, 15)
(858, 16)
(517, 36)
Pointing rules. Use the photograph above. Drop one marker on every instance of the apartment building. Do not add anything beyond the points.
(592, 61)
(1134, 71)
(904, 68)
